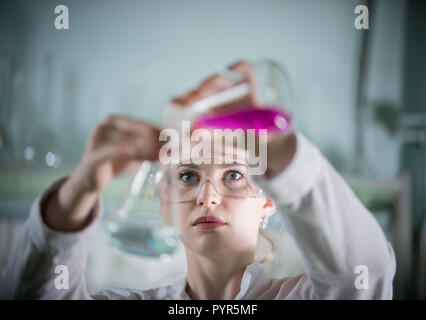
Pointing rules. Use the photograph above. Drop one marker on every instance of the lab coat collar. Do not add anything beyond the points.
(251, 281)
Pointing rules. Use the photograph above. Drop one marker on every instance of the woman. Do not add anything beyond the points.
(334, 232)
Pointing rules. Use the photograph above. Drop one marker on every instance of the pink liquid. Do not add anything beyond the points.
(273, 119)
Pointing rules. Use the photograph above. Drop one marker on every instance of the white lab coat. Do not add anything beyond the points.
(333, 230)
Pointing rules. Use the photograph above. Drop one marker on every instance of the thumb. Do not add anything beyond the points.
(247, 70)
(111, 151)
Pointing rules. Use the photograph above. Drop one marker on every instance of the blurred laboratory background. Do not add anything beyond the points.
(359, 94)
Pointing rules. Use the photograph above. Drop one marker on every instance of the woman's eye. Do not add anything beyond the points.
(188, 177)
(233, 175)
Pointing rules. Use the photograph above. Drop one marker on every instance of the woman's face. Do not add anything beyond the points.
(217, 208)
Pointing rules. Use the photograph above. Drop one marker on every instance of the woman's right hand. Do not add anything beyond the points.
(116, 147)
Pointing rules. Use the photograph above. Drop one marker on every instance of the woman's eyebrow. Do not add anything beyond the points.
(189, 165)
(195, 166)
(226, 165)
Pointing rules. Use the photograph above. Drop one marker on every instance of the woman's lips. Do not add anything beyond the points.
(208, 222)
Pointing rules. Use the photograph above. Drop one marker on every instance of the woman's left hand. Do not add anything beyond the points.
(281, 149)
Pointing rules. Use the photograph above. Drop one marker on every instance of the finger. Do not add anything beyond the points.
(215, 83)
(216, 80)
(109, 152)
(132, 126)
(247, 70)
(142, 146)
(180, 100)
(108, 134)
(212, 85)
(240, 65)
(190, 97)
(124, 156)
(145, 149)
(125, 166)
(244, 68)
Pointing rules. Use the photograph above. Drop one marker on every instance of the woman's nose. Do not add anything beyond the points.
(208, 196)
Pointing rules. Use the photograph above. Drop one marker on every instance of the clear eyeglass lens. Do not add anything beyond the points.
(189, 183)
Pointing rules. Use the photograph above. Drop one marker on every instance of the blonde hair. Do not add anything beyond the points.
(272, 252)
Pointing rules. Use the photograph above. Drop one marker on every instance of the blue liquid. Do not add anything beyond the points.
(148, 239)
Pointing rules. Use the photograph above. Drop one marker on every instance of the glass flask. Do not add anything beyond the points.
(260, 98)
(136, 226)
(146, 222)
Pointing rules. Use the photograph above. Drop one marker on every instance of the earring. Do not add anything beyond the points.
(264, 222)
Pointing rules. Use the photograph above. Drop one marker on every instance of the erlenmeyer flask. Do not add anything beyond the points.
(146, 226)
(137, 226)
(262, 99)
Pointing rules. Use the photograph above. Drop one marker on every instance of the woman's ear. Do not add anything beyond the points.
(268, 207)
